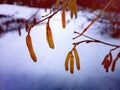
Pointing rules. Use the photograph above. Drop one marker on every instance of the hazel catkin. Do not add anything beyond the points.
(49, 36)
(30, 48)
(77, 59)
(71, 63)
(63, 19)
(67, 61)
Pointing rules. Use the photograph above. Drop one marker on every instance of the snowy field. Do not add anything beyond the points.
(19, 72)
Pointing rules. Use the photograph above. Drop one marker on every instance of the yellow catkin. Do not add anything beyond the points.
(49, 36)
(67, 61)
(71, 8)
(30, 48)
(69, 5)
(77, 59)
(63, 19)
(75, 8)
(71, 63)
(71, 14)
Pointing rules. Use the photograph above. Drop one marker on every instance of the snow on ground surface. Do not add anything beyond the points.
(19, 72)
(17, 11)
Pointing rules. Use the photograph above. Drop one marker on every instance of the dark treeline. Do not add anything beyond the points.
(94, 4)
(31, 3)
(112, 26)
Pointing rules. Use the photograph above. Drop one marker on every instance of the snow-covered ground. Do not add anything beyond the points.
(19, 72)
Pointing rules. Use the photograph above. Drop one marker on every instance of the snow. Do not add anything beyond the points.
(19, 72)
(19, 11)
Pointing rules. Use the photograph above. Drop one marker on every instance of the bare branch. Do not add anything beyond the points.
(95, 40)
(48, 17)
(33, 14)
(95, 19)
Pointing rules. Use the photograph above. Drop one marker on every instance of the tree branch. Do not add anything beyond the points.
(94, 19)
(95, 40)
(48, 17)
(33, 14)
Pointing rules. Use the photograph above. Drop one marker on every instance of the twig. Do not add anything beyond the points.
(19, 28)
(95, 19)
(48, 17)
(113, 49)
(47, 14)
(95, 40)
(33, 14)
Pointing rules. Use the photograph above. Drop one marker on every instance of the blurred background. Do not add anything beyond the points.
(110, 19)
(19, 72)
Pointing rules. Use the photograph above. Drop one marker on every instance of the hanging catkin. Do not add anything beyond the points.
(63, 19)
(75, 8)
(30, 48)
(67, 61)
(71, 63)
(77, 59)
(49, 36)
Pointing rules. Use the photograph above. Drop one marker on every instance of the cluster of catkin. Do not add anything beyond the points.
(66, 4)
(49, 36)
(71, 56)
(49, 39)
(72, 6)
(110, 62)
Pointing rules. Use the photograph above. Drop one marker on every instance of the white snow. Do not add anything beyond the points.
(18, 11)
(18, 71)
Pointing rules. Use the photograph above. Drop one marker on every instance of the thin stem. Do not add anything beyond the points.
(83, 35)
(95, 40)
(113, 49)
(95, 19)
(33, 14)
(48, 17)
(87, 41)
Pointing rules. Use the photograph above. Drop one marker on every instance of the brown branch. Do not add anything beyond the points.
(95, 19)
(33, 14)
(19, 28)
(48, 17)
(47, 14)
(95, 40)
(87, 41)
(113, 49)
